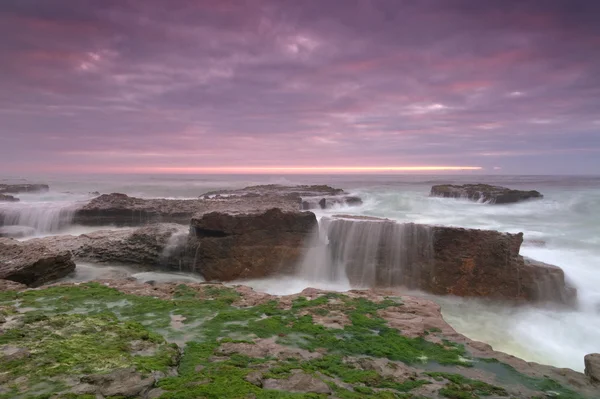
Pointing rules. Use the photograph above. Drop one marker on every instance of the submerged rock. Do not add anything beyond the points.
(32, 263)
(16, 231)
(484, 192)
(8, 198)
(23, 188)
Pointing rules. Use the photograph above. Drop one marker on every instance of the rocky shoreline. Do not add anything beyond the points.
(317, 344)
(207, 340)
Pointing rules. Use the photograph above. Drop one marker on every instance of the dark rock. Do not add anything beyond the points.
(23, 188)
(227, 247)
(122, 382)
(299, 381)
(32, 263)
(592, 366)
(16, 231)
(8, 198)
(484, 192)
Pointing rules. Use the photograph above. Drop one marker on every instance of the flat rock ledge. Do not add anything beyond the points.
(484, 193)
(126, 339)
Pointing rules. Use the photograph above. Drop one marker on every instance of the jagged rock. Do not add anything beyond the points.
(123, 382)
(299, 381)
(592, 366)
(16, 231)
(330, 202)
(442, 260)
(32, 263)
(23, 188)
(8, 198)
(227, 247)
(484, 192)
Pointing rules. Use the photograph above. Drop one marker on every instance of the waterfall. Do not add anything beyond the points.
(173, 254)
(368, 253)
(44, 217)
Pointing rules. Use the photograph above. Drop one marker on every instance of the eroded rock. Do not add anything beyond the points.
(32, 263)
(123, 382)
(592, 366)
(484, 192)
(298, 381)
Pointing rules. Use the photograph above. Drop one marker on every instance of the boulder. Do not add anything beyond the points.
(441, 260)
(8, 198)
(16, 231)
(592, 366)
(32, 263)
(227, 246)
(484, 193)
(23, 188)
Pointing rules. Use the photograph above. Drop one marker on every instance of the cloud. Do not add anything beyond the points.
(290, 84)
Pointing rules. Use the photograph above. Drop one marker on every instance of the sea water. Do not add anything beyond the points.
(562, 229)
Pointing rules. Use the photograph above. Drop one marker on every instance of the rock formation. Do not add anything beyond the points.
(484, 192)
(441, 260)
(228, 247)
(592, 367)
(23, 188)
(32, 263)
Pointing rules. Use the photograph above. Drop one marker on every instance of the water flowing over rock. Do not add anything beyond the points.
(436, 259)
(16, 231)
(42, 216)
(484, 193)
(236, 246)
(32, 263)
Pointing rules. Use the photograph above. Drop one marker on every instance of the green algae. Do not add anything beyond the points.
(461, 387)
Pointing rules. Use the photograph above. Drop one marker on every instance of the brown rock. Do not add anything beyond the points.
(7, 285)
(227, 247)
(592, 366)
(122, 382)
(299, 381)
(32, 263)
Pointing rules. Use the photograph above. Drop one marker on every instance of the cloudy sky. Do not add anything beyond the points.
(219, 85)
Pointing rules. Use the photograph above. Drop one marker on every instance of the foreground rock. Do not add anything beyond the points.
(484, 192)
(442, 260)
(8, 198)
(32, 263)
(227, 247)
(23, 188)
(360, 344)
(592, 366)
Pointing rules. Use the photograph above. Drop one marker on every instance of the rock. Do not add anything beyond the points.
(255, 378)
(592, 366)
(442, 260)
(23, 188)
(299, 381)
(32, 263)
(155, 393)
(122, 382)
(330, 202)
(16, 231)
(11, 353)
(484, 192)
(226, 247)
(8, 198)
(278, 190)
(7, 285)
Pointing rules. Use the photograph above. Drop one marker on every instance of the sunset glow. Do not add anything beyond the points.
(305, 169)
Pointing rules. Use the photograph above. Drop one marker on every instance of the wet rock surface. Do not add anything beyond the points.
(32, 263)
(484, 192)
(238, 343)
(592, 367)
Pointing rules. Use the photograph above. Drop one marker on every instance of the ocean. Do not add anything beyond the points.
(561, 229)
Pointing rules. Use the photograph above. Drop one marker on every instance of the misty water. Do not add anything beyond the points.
(562, 229)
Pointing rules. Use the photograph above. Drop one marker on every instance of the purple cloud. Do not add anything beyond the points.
(128, 85)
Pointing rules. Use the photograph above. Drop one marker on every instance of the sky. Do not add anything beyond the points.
(498, 86)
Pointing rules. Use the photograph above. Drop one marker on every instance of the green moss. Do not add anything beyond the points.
(461, 387)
